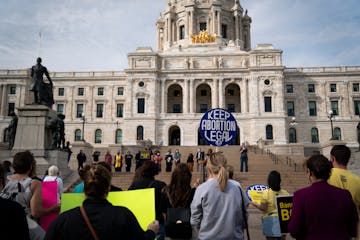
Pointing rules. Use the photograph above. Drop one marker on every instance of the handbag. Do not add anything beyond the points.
(177, 224)
(271, 226)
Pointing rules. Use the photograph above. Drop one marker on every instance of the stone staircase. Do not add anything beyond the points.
(260, 164)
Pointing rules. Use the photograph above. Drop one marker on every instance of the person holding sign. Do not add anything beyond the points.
(270, 221)
(322, 211)
(106, 220)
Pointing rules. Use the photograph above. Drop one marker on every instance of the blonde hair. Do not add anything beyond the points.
(217, 163)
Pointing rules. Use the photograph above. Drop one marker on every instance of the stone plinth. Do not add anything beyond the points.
(32, 132)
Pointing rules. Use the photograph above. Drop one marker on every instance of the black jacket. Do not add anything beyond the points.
(143, 183)
(109, 222)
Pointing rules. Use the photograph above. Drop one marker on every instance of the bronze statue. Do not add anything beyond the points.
(42, 91)
(12, 129)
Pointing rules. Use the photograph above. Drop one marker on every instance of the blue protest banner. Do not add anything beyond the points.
(218, 127)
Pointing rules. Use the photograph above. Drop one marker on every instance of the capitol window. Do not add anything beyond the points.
(333, 87)
(311, 88)
(12, 89)
(80, 91)
(100, 91)
(61, 92)
(120, 91)
(267, 103)
(289, 88)
(355, 87)
(141, 105)
(182, 32)
(203, 26)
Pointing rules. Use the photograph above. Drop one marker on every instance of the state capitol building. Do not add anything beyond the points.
(204, 59)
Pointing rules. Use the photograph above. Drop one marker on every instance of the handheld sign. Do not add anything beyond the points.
(218, 127)
(140, 202)
(284, 206)
(254, 192)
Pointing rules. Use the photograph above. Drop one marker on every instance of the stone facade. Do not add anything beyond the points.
(162, 94)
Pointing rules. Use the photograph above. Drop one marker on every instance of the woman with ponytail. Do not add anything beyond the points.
(216, 210)
(97, 218)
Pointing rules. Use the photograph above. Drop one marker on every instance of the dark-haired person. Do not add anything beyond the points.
(13, 215)
(216, 209)
(341, 177)
(24, 165)
(178, 194)
(145, 178)
(322, 211)
(271, 225)
(108, 221)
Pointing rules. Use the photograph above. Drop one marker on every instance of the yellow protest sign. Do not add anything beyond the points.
(140, 202)
(284, 207)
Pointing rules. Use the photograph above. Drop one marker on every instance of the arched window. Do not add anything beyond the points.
(337, 133)
(118, 136)
(6, 135)
(78, 136)
(269, 132)
(314, 135)
(98, 136)
(140, 133)
(292, 135)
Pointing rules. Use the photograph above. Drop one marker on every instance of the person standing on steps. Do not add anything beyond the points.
(81, 158)
(169, 160)
(200, 155)
(128, 160)
(243, 158)
(118, 162)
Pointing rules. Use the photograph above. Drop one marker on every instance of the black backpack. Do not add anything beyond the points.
(177, 224)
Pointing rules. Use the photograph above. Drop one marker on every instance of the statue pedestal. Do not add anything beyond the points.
(33, 134)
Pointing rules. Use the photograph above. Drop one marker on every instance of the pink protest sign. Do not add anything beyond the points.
(49, 196)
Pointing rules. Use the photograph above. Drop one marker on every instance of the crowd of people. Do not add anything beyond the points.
(215, 208)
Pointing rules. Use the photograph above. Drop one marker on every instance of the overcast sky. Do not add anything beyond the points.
(96, 35)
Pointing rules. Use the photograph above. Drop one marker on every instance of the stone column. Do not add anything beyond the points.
(163, 100)
(221, 93)
(192, 97)
(214, 94)
(186, 96)
(213, 27)
(3, 100)
(169, 30)
(191, 23)
(218, 23)
(246, 99)
(237, 26)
